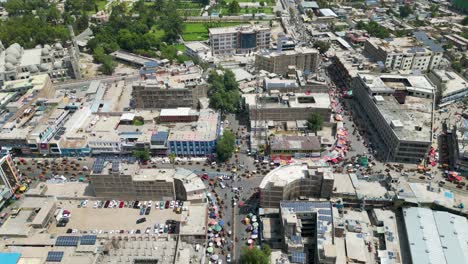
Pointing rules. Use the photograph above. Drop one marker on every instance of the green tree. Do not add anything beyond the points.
(108, 65)
(457, 66)
(322, 46)
(255, 255)
(142, 155)
(434, 9)
(171, 23)
(405, 11)
(223, 92)
(225, 146)
(465, 21)
(82, 22)
(315, 122)
(233, 8)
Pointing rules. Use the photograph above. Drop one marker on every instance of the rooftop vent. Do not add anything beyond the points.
(396, 124)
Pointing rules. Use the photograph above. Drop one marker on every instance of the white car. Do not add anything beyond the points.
(150, 203)
(228, 258)
(172, 204)
(85, 203)
(222, 185)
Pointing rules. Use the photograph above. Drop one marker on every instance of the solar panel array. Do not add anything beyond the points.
(88, 240)
(54, 256)
(304, 206)
(98, 165)
(115, 165)
(67, 241)
(298, 257)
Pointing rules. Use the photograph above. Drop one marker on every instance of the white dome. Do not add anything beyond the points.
(43, 67)
(57, 65)
(58, 46)
(13, 52)
(16, 46)
(33, 68)
(11, 59)
(45, 51)
(47, 46)
(9, 66)
(38, 46)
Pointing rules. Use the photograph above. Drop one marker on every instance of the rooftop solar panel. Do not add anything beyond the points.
(298, 257)
(54, 256)
(67, 241)
(88, 240)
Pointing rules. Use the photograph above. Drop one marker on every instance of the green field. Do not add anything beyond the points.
(189, 12)
(199, 31)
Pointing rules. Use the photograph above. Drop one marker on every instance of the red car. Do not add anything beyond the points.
(121, 204)
(204, 176)
(166, 205)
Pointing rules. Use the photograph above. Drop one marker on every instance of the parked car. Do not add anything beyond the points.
(167, 205)
(141, 220)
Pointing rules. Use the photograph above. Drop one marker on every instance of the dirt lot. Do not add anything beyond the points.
(88, 219)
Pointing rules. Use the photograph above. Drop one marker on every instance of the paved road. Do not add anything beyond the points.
(80, 83)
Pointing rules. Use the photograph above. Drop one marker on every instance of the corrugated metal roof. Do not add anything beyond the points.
(436, 237)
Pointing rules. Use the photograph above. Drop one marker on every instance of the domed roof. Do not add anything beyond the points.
(33, 68)
(9, 66)
(16, 46)
(43, 67)
(45, 51)
(13, 52)
(47, 46)
(38, 46)
(57, 65)
(58, 46)
(11, 59)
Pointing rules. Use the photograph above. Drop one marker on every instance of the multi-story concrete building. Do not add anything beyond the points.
(196, 138)
(291, 181)
(287, 107)
(308, 231)
(8, 173)
(152, 94)
(450, 86)
(406, 53)
(279, 62)
(17, 62)
(113, 179)
(239, 39)
(400, 110)
(457, 137)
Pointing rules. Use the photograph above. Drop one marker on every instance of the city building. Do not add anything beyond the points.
(180, 114)
(198, 50)
(400, 110)
(9, 175)
(308, 231)
(18, 63)
(152, 94)
(196, 138)
(457, 141)
(458, 41)
(346, 66)
(290, 182)
(279, 62)
(294, 146)
(450, 86)
(287, 107)
(239, 39)
(114, 179)
(405, 53)
(435, 236)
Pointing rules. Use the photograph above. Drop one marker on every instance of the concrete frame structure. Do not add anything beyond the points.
(303, 59)
(400, 109)
(8, 173)
(291, 181)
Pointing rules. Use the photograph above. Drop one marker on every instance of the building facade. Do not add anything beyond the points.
(151, 94)
(197, 138)
(239, 39)
(8, 173)
(279, 62)
(407, 53)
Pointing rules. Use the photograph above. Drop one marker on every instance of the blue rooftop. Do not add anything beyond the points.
(151, 64)
(422, 36)
(160, 136)
(9, 258)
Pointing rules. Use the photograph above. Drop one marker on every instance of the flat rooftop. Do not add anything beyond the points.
(239, 28)
(283, 175)
(295, 143)
(453, 82)
(193, 221)
(297, 100)
(205, 129)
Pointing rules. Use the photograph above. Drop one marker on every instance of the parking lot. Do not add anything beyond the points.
(91, 219)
